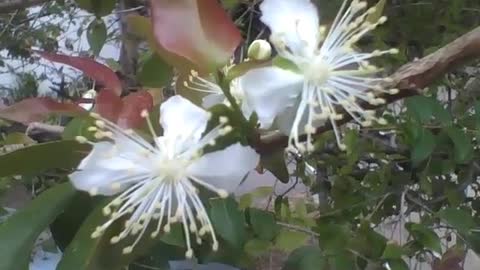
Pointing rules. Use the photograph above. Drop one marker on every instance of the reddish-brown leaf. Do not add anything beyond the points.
(198, 30)
(451, 260)
(133, 105)
(37, 109)
(94, 70)
(142, 27)
(108, 105)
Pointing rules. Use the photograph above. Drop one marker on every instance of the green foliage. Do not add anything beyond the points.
(228, 221)
(20, 231)
(96, 35)
(155, 72)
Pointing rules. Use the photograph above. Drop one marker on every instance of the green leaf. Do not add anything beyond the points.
(21, 230)
(61, 154)
(375, 16)
(305, 258)
(425, 236)
(423, 146)
(441, 114)
(263, 224)
(246, 200)
(463, 147)
(275, 163)
(228, 221)
(288, 240)
(96, 35)
(85, 252)
(420, 108)
(459, 219)
(17, 138)
(79, 127)
(257, 247)
(397, 264)
(393, 251)
(82, 251)
(99, 8)
(155, 72)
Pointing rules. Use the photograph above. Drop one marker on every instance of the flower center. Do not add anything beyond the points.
(317, 71)
(171, 169)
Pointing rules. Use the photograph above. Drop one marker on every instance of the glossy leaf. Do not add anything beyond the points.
(82, 251)
(199, 30)
(96, 35)
(463, 149)
(257, 247)
(228, 221)
(420, 107)
(99, 8)
(142, 27)
(37, 109)
(155, 72)
(305, 258)
(20, 231)
(425, 236)
(393, 251)
(133, 105)
(275, 163)
(96, 71)
(126, 111)
(423, 146)
(397, 264)
(288, 240)
(108, 105)
(61, 154)
(263, 224)
(459, 219)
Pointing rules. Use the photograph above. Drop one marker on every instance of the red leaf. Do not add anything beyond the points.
(94, 70)
(124, 111)
(133, 105)
(36, 109)
(198, 30)
(108, 105)
(142, 28)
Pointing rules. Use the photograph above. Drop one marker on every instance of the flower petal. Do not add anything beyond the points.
(296, 20)
(270, 90)
(180, 117)
(103, 167)
(226, 168)
(212, 100)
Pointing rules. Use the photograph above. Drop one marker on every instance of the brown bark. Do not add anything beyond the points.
(409, 78)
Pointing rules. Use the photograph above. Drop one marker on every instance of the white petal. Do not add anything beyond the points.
(270, 90)
(212, 100)
(104, 166)
(296, 20)
(180, 117)
(226, 168)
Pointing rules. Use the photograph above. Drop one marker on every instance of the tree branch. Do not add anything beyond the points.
(409, 79)
(7, 6)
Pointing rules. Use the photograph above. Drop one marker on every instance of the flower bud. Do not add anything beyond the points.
(259, 50)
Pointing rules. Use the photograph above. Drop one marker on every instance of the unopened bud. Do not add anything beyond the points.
(259, 50)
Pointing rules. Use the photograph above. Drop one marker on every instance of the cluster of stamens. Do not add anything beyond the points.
(164, 193)
(337, 79)
(199, 84)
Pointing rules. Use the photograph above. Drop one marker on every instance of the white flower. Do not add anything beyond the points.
(215, 94)
(157, 183)
(327, 71)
